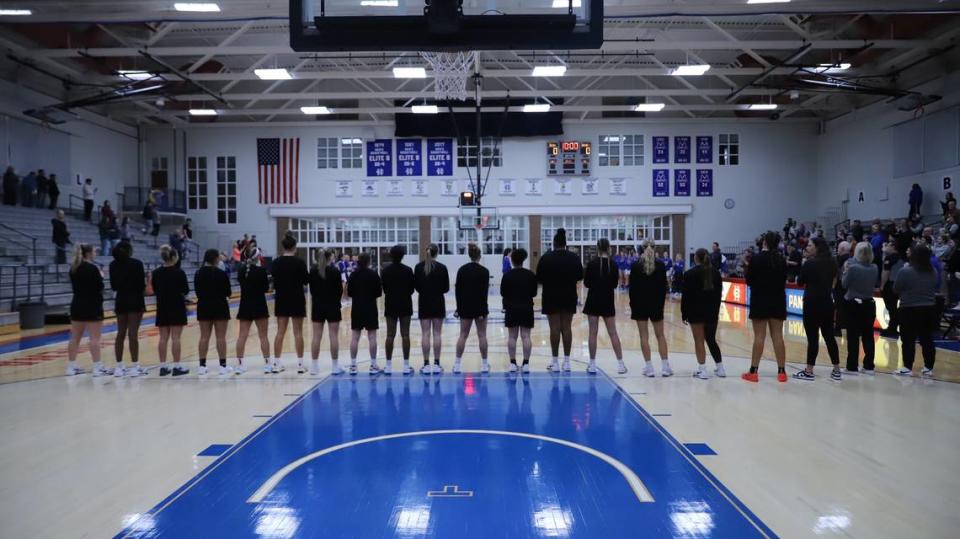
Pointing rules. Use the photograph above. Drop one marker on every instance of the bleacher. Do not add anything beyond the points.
(32, 275)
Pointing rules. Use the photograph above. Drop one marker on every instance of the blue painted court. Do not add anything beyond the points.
(455, 456)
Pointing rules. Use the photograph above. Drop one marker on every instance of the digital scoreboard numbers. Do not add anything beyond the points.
(568, 158)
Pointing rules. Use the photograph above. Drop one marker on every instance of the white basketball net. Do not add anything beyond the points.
(450, 73)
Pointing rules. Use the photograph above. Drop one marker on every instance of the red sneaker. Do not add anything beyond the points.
(750, 377)
(782, 377)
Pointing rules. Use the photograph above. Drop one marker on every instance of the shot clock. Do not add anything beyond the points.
(568, 158)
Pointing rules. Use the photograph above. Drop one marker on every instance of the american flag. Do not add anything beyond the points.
(278, 170)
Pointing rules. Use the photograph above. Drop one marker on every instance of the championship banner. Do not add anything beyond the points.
(380, 157)
(440, 157)
(681, 182)
(661, 149)
(704, 182)
(409, 157)
(704, 150)
(681, 149)
(661, 182)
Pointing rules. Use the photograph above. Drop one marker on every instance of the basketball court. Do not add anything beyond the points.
(355, 126)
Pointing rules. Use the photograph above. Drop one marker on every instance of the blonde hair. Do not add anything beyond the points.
(431, 260)
(80, 255)
(649, 258)
(168, 254)
(324, 258)
(863, 253)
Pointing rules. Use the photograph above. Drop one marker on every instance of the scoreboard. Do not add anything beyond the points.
(568, 158)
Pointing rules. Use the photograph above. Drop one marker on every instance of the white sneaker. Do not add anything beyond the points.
(591, 368)
(554, 366)
(513, 367)
(903, 371)
(719, 371)
(99, 371)
(456, 367)
(267, 369)
(353, 370)
(665, 370)
(201, 370)
(566, 365)
(701, 374)
(239, 369)
(375, 369)
(426, 370)
(484, 367)
(301, 369)
(119, 372)
(314, 368)
(388, 368)
(621, 367)
(136, 371)
(276, 368)
(525, 368)
(225, 370)
(926, 373)
(648, 370)
(73, 371)
(437, 368)
(337, 370)
(407, 369)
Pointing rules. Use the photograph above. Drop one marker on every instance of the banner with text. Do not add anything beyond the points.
(409, 157)
(681, 149)
(705, 150)
(380, 157)
(440, 157)
(661, 149)
(704, 182)
(661, 182)
(681, 182)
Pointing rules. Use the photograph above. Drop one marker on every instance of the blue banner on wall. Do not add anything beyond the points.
(380, 158)
(440, 157)
(661, 182)
(705, 150)
(681, 149)
(661, 149)
(409, 157)
(704, 182)
(681, 182)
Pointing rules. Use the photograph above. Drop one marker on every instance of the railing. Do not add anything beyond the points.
(33, 241)
(167, 200)
(195, 247)
(14, 290)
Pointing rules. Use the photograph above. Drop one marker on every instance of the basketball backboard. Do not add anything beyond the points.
(478, 218)
(445, 25)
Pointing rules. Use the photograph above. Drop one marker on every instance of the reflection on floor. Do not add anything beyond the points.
(807, 458)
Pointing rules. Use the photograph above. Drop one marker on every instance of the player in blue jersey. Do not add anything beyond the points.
(678, 268)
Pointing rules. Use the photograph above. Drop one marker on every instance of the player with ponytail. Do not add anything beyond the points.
(601, 279)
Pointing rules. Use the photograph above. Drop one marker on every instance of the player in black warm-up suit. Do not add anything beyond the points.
(473, 284)
(397, 279)
(601, 279)
(364, 287)
(213, 290)
(518, 287)
(326, 290)
(254, 285)
(559, 271)
(431, 281)
(290, 275)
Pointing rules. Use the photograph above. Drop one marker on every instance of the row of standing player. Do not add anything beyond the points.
(558, 272)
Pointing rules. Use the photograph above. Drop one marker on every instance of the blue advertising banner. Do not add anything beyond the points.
(380, 157)
(681, 182)
(440, 157)
(661, 182)
(409, 157)
(704, 182)
(661, 149)
(705, 150)
(681, 149)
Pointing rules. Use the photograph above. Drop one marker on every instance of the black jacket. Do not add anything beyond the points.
(398, 288)
(431, 287)
(559, 271)
(473, 284)
(699, 305)
(61, 236)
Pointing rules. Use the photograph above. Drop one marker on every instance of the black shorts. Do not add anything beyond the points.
(360, 323)
(326, 315)
(653, 316)
(518, 318)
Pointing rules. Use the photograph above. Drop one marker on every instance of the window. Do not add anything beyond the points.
(328, 153)
(490, 150)
(632, 150)
(608, 152)
(226, 190)
(351, 153)
(197, 183)
(729, 151)
(446, 233)
(623, 231)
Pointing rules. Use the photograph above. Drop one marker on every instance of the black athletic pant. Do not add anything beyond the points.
(890, 299)
(918, 323)
(818, 321)
(860, 317)
(710, 337)
(87, 209)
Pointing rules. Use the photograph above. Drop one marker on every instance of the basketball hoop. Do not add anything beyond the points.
(450, 73)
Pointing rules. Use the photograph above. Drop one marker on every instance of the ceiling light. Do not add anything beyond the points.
(15, 12)
(135, 74)
(767, 1)
(537, 107)
(197, 8)
(409, 73)
(380, 3)
(763, 106)
(562, 4)
(203, 112)
(273, 74)
(425, 109)
(649, 107)
(549, 71)
(690, 70)
(315, 110)
(834, 67)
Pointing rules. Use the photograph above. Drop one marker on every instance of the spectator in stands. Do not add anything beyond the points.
(505, 265)
(917, 286)
(88, 192)
(178, 244)
(28, 190)
(856, 229)
(148, 214)
(11, 186)
(950, 227)
(943, 247)
(894, 258)
(125, 233)
(916, 199)
(859, 277)
(107, 211)
(243, 244)
(61, 237)
(915, 225)
(53, 190)
(43, 189)
(949, 204)
(794, 258)
(716, 257)
(104, 229)
(843, 254)
(187, 228)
